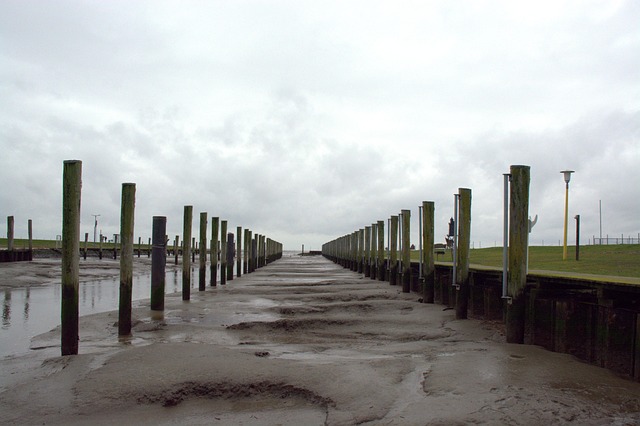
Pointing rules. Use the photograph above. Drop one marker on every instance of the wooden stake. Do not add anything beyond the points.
(464, 245)
(126, 257)
(186, 249)
(158, 262)
(71, 189)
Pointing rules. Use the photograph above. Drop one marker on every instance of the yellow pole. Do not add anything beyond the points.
(566, 219)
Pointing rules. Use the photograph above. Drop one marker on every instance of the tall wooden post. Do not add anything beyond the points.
(71, 189)
(215, 222)
(100, 246)
(381, 258)
(202, 271)
(393, 253)
(374, 251)
(186, 250)
(158, 262)
(428, 268)
(193, 250)
(176, 251)
(115, 246)
(10, 233)
(367, 251)
(254, 254)
(30, 231)
(166, 239)
(231, 251)
(86, 242)
(464, 243)
(245, 263)
(239, 251)
(139, 246)
(518, 233)
(406, 251)
(223, 254)
(126, 257)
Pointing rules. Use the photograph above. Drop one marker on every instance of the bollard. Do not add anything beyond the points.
(186, 249)
(464, 242)
(230, 255)
(393, 253)
(71, 189)
(158, 262)
(239, 251)
(381, 260)
(202, 271)
(428, 237)
(215, 221)
(406, 253)
(223, 252)
(518, 233)
(126, 257)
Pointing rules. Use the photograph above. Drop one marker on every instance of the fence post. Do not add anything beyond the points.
(71, 189)
(158, 262)
(186, 249)
(406, 251)
(428, 238)
(126, 257)
(215, 222)
(223, 252)
(518, 233)
(464, 237)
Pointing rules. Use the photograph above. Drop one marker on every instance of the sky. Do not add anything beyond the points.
(307, 120)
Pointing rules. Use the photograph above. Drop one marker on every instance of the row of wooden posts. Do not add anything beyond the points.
(363, 251)
(258, 251)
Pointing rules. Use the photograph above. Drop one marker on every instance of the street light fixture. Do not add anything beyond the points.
(567, 178)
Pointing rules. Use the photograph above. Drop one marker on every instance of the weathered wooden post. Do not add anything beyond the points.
(139, 246)
(86, 242)
(381, 258)
(71, 189)
(406, 251)
(126, 257)
(393, 254)
(367, 251)
(254, 253)
(100, 246)
(245, 254)
(360, 250)
(30, 230)
(231, 251)
(374, 251)
(202, 254)
(186, 249)
(193, 249)
(428, 268)
(176, 251)
(223, 254)
(464, 244)
(158, 262)
(115, 246)
(10, 233)
(518, 233)
(239, 251)
(166, 239)
(215, 222)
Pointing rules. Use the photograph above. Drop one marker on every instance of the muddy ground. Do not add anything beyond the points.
(303, 341)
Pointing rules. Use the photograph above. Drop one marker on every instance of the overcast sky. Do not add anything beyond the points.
(307, 120)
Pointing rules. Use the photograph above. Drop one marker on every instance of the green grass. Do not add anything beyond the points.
(47, 244)
(613, 260)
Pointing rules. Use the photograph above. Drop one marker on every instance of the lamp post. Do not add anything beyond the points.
(567, 178)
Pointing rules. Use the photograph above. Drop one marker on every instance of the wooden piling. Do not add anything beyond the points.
(158, 262)
(30, 231)
(223, 252)
(193, 250)
(115, 246)
(186, 249)
(239, 251)
(518, 233)
(367, 251)
(10, 233)
(100, 247)
(86, 243)
(428, 237)
(215, 223)
(393, 252)
(464, 243)
(245, 263)
(202, 254)
(127, 214)
(382, 272)
(71, 189)
(406, 251)
(166, 239)
(373, 273)
(231, 249)
(176, 251)
(139, 246)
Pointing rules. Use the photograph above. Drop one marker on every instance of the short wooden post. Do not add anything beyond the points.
(223, 252)
(10, 233)
(176, 248)
(393, 252)
(239, 251)
(518, 233)
(158, 262)
(186, 249)
(100, 246)
(406, 251)
(428, 268)
(215, 223)
(202, 271)
(30, 231)
(139, 246)
(230, 255)
(71, 189)
(86, 242)
(464, 245)
(126, 257)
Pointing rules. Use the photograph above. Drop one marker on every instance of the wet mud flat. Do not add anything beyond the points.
(304, 341)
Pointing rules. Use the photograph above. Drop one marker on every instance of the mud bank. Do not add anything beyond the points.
(303, 341)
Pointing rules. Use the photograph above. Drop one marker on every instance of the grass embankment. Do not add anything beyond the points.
(20, 244)
(614, 260)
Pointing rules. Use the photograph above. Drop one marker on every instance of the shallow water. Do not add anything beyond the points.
(30, 311)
